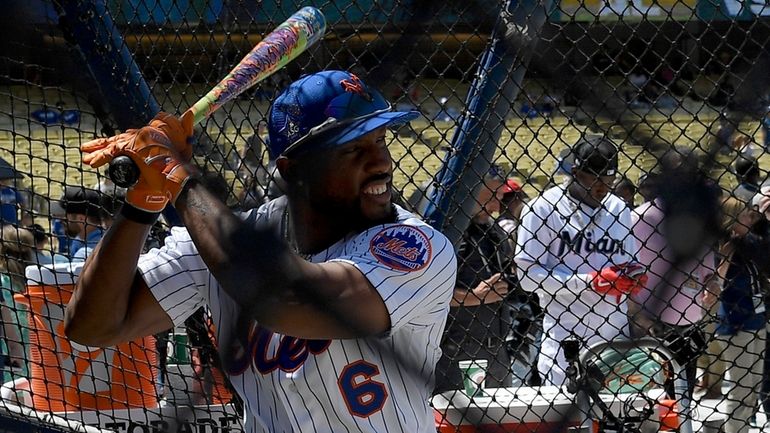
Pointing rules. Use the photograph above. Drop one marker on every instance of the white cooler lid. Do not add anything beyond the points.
(54, 274)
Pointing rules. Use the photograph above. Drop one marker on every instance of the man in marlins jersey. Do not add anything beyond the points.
(575, 250)
(329, 303)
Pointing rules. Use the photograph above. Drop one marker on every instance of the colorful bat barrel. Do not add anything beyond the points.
(281, 46)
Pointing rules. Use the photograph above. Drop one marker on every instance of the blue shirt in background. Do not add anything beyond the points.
(80, 248)
(10, 201)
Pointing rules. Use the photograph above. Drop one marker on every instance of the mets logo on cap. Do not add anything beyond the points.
(401, 247)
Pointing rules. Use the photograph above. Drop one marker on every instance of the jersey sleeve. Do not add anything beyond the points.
(412, 267)
(533, 236)
(176, 275)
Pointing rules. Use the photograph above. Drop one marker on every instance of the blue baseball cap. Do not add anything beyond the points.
(327, 109)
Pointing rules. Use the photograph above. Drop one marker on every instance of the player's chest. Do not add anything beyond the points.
(581, 233)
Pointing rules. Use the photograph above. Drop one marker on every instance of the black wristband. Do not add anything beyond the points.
(137, 215)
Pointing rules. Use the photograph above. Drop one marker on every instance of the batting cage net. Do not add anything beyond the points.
(597, 166)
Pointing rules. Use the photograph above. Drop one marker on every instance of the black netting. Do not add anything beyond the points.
(596, 165)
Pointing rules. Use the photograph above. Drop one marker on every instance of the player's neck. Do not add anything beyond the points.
(579, 193)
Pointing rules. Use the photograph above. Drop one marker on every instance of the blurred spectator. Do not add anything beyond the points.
(626, 190)
(476, 328)
(725, 129)
(106, 187)
(743, 145)
(58, 228)
(746, 169)
(637, 79)
(42, 251)
(16, 252)
(12, 204)
(83, 209)
(525, 312)
(537, 105)
(761, 201)
(664, 85)
(673, 302)
(568, 235)
(722, 93)
(209, 379)
(512, 203)
(744, 267)
(648, 186)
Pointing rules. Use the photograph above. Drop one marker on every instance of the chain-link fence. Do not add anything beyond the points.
(597, 166)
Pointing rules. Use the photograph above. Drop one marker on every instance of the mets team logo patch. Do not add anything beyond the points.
(401, 247)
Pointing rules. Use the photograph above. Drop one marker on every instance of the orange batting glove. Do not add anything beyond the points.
(159, 150)
(618, 280)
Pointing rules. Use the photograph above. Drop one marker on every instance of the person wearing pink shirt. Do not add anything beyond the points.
(677, 295)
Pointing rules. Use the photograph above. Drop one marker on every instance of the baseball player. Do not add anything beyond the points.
(574, 249)
(329, 303)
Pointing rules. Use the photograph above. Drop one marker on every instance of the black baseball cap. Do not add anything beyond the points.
(82, 201)
(596, 155)
(746, 166)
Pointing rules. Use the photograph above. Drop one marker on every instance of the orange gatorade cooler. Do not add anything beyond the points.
(65, 375)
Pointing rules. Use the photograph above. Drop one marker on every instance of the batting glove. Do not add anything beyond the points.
(618, 280)
(159, 150)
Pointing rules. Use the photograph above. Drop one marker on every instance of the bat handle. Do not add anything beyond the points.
(123, 171)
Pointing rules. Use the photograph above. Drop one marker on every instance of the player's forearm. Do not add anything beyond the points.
(462, 297)
(246, 261)
(99, 306)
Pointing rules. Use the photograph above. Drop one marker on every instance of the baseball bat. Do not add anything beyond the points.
(290, 39)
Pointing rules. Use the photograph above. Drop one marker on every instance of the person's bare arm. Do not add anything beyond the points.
(270, 283)
(111, 303)
(489, 291)
(711, 292)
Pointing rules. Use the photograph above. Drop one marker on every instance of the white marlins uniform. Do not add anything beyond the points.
(374, 384)
(559, 242)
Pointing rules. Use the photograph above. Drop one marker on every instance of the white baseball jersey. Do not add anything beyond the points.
(374, 384)
(561, 240)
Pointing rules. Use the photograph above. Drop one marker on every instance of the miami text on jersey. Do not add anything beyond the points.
(583, 242)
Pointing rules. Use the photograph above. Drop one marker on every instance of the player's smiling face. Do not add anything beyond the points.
(354, 180)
